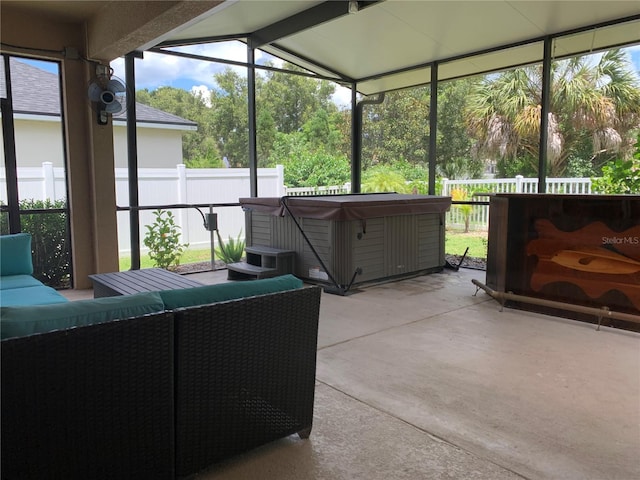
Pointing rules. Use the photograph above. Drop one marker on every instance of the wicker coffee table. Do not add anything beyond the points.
(136, 281)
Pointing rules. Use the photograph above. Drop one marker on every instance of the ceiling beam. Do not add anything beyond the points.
(304, 20)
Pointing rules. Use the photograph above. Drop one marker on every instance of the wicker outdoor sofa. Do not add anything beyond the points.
(160, 396)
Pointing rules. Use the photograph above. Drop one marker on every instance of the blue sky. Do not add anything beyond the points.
(164, 70)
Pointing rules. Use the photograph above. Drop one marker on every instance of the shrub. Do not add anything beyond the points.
(621, 176)
(163, 240)
(49, 243)
(384, 178)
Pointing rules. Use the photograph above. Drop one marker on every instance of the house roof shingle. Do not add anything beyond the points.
(45, 100)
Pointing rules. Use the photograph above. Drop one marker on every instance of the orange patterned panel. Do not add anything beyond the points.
(594, 258)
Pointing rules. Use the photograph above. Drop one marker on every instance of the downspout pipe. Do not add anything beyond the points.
(599, 313)
(356, 164)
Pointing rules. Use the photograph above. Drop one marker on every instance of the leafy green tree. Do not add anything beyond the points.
(621, 176)
(320, 132)
(266, 135)
(293, 99)
(305, 167)
(230, 117)
(285, 103)
(454, 157)
(409, 171)
(599, 100)
(397, 128)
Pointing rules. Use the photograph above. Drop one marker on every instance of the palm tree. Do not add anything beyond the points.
(595, 102)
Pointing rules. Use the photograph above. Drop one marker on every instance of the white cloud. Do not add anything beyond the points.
(157, 69)
(342, 96)
(197, 76)
(634, 53)
(203, 92)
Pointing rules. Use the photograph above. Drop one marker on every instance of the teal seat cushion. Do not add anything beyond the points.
(18, 281)
(36, 295)
(189, 297)
(15, 254)
(27, 320)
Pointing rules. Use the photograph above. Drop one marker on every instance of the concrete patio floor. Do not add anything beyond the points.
(420, 379)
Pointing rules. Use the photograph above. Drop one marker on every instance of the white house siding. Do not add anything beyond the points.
(39, 141)
(157, 147)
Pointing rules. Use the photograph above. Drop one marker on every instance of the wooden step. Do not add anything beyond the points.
(244, 270)
(270, 251)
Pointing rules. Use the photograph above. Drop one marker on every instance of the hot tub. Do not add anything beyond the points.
(350, 239)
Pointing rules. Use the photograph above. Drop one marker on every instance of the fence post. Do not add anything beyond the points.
(49, 182)
(519, 183)
(445, 187)
(183, 214)
(281, 188)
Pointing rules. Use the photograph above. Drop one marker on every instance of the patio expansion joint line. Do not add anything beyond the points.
(431, 435)
(412, 322)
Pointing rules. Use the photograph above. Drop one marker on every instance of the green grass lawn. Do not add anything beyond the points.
(190, 256)
(456, 243)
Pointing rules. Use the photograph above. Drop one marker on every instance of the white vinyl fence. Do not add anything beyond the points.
(181, 185)
(37, 183)
(305, 191)
(165, 186)
(518, 184)
(474, 190)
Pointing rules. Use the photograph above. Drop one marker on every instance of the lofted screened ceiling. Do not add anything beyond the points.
(376, 45)
(392, 44)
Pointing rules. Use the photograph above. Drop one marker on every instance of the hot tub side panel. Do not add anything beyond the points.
(401, 252)
(367, 252)
(431, 236)
(282, 232)
(321, 234)
(380, 248)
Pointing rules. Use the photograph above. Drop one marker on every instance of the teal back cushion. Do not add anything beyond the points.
(189, 297)
(15, 254)
(27, 320)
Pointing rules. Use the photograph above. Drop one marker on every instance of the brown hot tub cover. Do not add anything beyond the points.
(350, 206)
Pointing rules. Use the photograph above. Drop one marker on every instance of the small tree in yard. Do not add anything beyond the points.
(163, 240)
(461, 195)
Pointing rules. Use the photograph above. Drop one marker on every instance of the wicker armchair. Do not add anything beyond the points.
(159, 396)
(245, 375)
(90, 402)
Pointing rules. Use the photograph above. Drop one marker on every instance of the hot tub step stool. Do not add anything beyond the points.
(262, 262)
